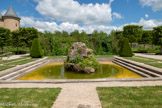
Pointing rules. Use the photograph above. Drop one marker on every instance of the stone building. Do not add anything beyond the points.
(10, 20)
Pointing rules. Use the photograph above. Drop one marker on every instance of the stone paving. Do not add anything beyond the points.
(149, 56)
(14, 57)
(80, 95)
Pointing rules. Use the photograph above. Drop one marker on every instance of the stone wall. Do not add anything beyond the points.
(1, 23)
(11, 23)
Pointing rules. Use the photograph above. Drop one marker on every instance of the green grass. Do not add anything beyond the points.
(145, 60)
(32, 97)
(5, 67)
(7, 64)
(23, 61)
(130, 97)
(8, 61)
(104, 56)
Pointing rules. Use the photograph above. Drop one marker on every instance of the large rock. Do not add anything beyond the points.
(81, 59)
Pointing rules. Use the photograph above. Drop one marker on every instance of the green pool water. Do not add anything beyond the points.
(56, 71)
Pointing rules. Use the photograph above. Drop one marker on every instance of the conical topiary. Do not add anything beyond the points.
(125, 50)
(36, 49)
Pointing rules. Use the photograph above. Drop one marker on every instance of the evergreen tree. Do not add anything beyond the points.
(36, 50)
(126, 50)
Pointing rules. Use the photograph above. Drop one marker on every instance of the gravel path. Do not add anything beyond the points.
(149, 56)
(80, 95)
(15, 57)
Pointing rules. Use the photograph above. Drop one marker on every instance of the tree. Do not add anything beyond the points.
(4, 37)
(126, 50)
(65, 33)
(116, 41)
(132, 32)
(17, 40)
(157, 37)
(36, 49)
(57, 33)
(95, 33)
(146, 37)
(28, 34)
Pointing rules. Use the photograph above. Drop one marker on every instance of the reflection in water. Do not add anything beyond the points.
(56, 71)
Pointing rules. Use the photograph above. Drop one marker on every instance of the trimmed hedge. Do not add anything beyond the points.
(126, 50)
(36, 49)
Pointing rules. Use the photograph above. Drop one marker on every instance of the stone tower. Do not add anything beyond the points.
(10, 20)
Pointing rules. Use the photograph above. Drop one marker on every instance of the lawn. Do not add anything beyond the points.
(28, 97)
(149, 61)
(12, 63)
(130, 97)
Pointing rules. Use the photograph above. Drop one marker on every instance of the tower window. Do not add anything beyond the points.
(16, 24)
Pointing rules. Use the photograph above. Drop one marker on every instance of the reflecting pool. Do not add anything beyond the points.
(56, 71)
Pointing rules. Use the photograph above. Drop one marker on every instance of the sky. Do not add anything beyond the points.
(87, 15)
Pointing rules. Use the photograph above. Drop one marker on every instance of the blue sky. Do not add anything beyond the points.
(87, 15)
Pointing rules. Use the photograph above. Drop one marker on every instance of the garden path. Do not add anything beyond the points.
(80, 95)
(14, 56)
(149, 56)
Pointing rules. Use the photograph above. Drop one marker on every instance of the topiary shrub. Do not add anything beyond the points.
(36, 49)
(125, 50)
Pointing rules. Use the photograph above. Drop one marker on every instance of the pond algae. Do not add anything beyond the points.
(56, 71)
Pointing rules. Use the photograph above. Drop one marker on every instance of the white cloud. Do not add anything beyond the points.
(155, 4)
(69, 27)
(74, 12)
(146, 15)
(117, 15)
(3, 12)
(147, 24)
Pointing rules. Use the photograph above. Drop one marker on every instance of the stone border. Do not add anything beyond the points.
(19, 67)
(76, 80)
(80, 80)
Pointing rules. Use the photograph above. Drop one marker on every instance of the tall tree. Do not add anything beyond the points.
(146, 37)
(57, 33)
(65, 33)
(29, 34)
(4, 37)
(132, 32)
(157, 37)
(17, 40)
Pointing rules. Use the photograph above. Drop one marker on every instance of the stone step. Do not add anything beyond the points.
(17, 68)
(134, 70)
(27, 71)
(142, 65)
(5, 77)
(139, 69)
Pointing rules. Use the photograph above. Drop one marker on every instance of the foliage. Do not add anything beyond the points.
(17, 41)
(76, 60)
(54, 44)
(28, 34)
(36, 49)
(126, 50)
(91, 62)
(146, 37)
(132, 32)
(157, 36)
(4, 37)
(116, 41)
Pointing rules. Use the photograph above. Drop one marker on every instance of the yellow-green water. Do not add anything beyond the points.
(56, 71)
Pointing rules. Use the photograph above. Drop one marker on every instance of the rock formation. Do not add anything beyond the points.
(81, 59)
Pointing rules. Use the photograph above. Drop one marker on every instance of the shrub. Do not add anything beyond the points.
(126, 50)
(36, 50)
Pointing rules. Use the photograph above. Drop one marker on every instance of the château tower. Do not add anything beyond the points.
(10, 20)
